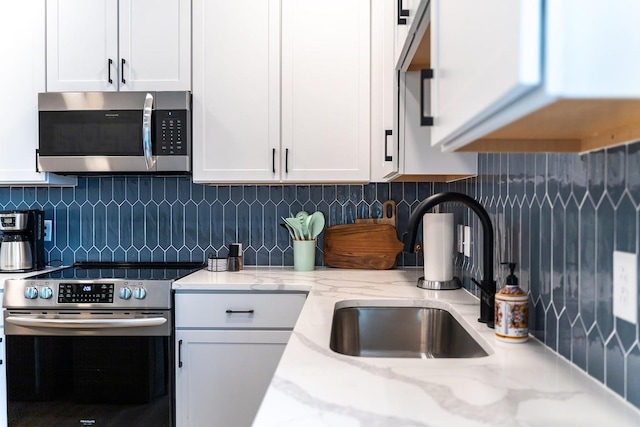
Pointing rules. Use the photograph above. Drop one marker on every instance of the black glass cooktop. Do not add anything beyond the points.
(133, 271)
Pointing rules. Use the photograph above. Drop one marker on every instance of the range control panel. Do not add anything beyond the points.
(85, 292)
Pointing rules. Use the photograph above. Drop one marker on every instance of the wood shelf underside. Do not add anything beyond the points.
(567, 125)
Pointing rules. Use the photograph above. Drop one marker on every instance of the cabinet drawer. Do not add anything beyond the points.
(238, 310)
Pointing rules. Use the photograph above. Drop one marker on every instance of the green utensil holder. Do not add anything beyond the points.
(304, 255)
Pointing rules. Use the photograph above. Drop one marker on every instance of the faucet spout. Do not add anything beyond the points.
(487, 285)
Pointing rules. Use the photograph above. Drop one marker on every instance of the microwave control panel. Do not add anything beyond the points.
(171, 136)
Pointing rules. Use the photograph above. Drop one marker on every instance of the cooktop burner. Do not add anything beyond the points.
(121, 270)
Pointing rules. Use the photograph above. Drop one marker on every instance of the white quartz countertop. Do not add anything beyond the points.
(516, 385)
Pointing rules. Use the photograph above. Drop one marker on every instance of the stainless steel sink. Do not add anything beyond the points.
(411, 332)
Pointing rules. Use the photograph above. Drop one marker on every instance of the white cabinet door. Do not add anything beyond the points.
(109, 45)
(82, 45)
(325, 90)
(403, 15)
(155, 45)
(489, 65)
(417, 156)
(236, 90)
(21, 78)
(222, 376)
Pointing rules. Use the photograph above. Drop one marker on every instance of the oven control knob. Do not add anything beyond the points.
(31, 292)
(125, 293)
(139, 293)
(46, 292)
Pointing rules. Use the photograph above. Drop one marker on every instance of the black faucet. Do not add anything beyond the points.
(487, 285)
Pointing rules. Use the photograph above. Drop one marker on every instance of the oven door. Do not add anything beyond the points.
(100, 368)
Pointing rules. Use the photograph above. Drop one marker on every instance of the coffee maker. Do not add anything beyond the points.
(22, 244)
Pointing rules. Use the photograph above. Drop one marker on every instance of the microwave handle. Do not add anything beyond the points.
(149, 158)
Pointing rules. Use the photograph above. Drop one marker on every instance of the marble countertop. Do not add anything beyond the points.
(516, 385)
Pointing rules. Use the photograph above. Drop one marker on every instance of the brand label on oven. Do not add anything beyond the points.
(87, 422)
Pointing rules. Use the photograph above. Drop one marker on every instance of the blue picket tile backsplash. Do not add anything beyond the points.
(559, 216)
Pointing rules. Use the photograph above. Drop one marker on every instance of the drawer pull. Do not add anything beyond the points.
(239, 311)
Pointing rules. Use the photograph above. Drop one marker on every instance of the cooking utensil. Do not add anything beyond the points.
(316, 224)
(303, 217)
(295, 225)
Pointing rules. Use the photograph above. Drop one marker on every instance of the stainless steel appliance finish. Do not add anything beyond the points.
(114, 132)
(409, 332)
(92, 345)
(22, 244)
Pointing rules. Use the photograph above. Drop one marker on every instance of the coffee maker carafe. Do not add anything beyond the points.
(22, 244)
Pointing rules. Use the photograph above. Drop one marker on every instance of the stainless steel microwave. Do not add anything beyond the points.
(114, 132)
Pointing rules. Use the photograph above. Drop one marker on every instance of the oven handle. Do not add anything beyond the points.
(149, 158)
(86, 323)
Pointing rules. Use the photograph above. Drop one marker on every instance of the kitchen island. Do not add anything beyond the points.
(515, 385)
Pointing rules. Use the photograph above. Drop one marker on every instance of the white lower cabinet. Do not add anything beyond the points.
(228, 345)
(3, 369)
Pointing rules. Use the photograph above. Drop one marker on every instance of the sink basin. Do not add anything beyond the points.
(410, 332)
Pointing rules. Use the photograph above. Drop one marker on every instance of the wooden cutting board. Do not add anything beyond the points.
(388, 215)
(368, 246)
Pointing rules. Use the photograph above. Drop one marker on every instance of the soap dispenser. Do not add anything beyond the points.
(512, 311)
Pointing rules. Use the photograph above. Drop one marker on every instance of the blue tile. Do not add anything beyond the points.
(224, 194)
(615, 367)
(579, 172)
(289, 193)
(170, 188)
(242, 226)
(217, 224)
(410, 192)
(55, 195)
(262, 194)
(626, 332)
(276, 257)
(595, 355)
(67, 195)
(633, 385)
(184, 189)
(126, 224)
(138, 221)
(625, 221)
(5, 194)
(106, 188)
(383, 192)
(177, 226)
(571, 259)
(42, 195)
(525, 250)
(170, 255)
(210, 193)
(564, 336)
(579, 346)
(276, 193)
(29, 196)
(604, 266)
(502, 175)
(164, 225)
(190, 225)
(516, 176)
(204, 225)
(93, 192)
(249, 193)
(425, 189)
(150, 229)
(537, 318)
(258, 227)
(236, 194)
(119, 189)
(230, 224)
(60, 236)
(131, 191)
(540, 174)
(551, 329)
(270, 217)
(546, 248)
(262, 257)
(302, 193)
(86, 226)
(559, 251)
(349, 213)
(198, 193)
(633, 171)
(587, 263)
(342, 193)
(596, 175)
(368, 193)
(553, 176)
(616, 174)
(249, 255)
(335, 214)
(396, 191)
(113, 225)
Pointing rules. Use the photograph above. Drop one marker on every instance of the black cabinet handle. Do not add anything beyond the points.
(425, 74)
(402, 12)
(273, 161)
(109, 64)
(180, 354)
(286, 161)
(122, 70)
(387, 134)
(239, 311)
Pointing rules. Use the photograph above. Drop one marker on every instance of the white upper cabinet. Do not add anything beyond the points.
(127, 45)
(281, 95)
(22, 29)
(400, 135)
(527, 75)
(236, 90)
(326, 90)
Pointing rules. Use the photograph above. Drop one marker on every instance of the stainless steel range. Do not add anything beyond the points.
(92, 345)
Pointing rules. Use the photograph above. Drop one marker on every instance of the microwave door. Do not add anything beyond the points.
(149, 158)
